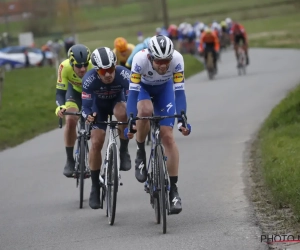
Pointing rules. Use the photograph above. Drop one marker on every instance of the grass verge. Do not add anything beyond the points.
(28, 102)
(275, 168)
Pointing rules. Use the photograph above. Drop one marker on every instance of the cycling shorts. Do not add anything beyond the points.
(163, 98)
(239, 38)
(104, 108)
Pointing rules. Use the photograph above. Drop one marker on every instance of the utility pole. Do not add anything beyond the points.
(71, 18)
(165, 13)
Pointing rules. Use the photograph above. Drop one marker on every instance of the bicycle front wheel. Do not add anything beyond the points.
(112, 183)
(81, 170)
(162, 187)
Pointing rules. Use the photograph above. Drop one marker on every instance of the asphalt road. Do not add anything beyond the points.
(39, 206)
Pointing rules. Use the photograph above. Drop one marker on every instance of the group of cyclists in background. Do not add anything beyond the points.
(198, 39)
(203, 38)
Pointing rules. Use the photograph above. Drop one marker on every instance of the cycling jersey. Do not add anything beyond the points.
(122, 57)
(145, 82)
(238, 30)
(209, 38)
(137, 48)
(100, 97)
(66, 76)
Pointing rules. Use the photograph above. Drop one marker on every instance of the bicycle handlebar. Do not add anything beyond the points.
(68, 113)
(156, 118)
(109, 123)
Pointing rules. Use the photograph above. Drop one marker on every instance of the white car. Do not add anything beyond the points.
(15, 57)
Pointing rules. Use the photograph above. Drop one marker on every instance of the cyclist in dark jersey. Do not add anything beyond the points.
(103, 93)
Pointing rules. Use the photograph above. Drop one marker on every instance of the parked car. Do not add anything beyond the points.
(22, 56)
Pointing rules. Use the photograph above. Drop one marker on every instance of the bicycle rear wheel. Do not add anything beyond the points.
(162, 187)
(210, 66)
(81, 170)
(112, 183)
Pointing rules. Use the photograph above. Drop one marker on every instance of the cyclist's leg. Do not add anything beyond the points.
(236, 41)
(164, 104)
(245, 47)
(145, 108)
(73, 102)
(119, 111)
(95, 157)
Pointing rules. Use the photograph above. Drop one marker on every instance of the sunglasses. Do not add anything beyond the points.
(79, 66)
(110, 70)
(162, 61)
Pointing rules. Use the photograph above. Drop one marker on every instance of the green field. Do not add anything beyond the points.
(28, 104)
(278, 150)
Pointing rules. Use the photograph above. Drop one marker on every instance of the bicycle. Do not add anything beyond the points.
(81, 170)
(241, 61)
(110, 172)
(158, 183)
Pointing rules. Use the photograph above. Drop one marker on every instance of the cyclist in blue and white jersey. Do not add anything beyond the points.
(136, 49)
(157, 72)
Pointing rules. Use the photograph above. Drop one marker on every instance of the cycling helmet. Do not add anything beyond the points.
(208, 30)
(161, 47)
(103, 58)
(223, 24)
(228, 20)
(79, 54)
(236, 27)
(120, 44)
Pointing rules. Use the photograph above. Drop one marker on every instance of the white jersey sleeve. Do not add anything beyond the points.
(177, 67)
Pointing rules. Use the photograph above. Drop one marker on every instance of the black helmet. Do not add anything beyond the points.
(79, 54)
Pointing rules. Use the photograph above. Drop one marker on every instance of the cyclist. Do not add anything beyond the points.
(224, 39)
(216, 27)
(173, 32)
(209, 43)
(198, 28)
(238, 34)
(137, 48)
(122, 50)
(103, 94)
(186, 37)
(68, 96)
(158, 71)
(229, 24)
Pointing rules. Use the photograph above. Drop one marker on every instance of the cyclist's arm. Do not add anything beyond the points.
(87, 98)
(134, 89)
(178, 78)
(61, 86)
(216, 42)
(135, 50)
(125, 83)
(201, 42)
(244, 33)
(180, 98)
(60, 97)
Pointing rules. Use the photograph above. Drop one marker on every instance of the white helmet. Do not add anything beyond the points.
(228, 20)
(161, 47)
(103, 58)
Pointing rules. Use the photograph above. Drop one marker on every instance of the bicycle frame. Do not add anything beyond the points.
(156, 142)
(111, 140)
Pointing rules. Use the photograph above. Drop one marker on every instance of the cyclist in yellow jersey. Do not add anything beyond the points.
(122, 50)
(68, 96)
